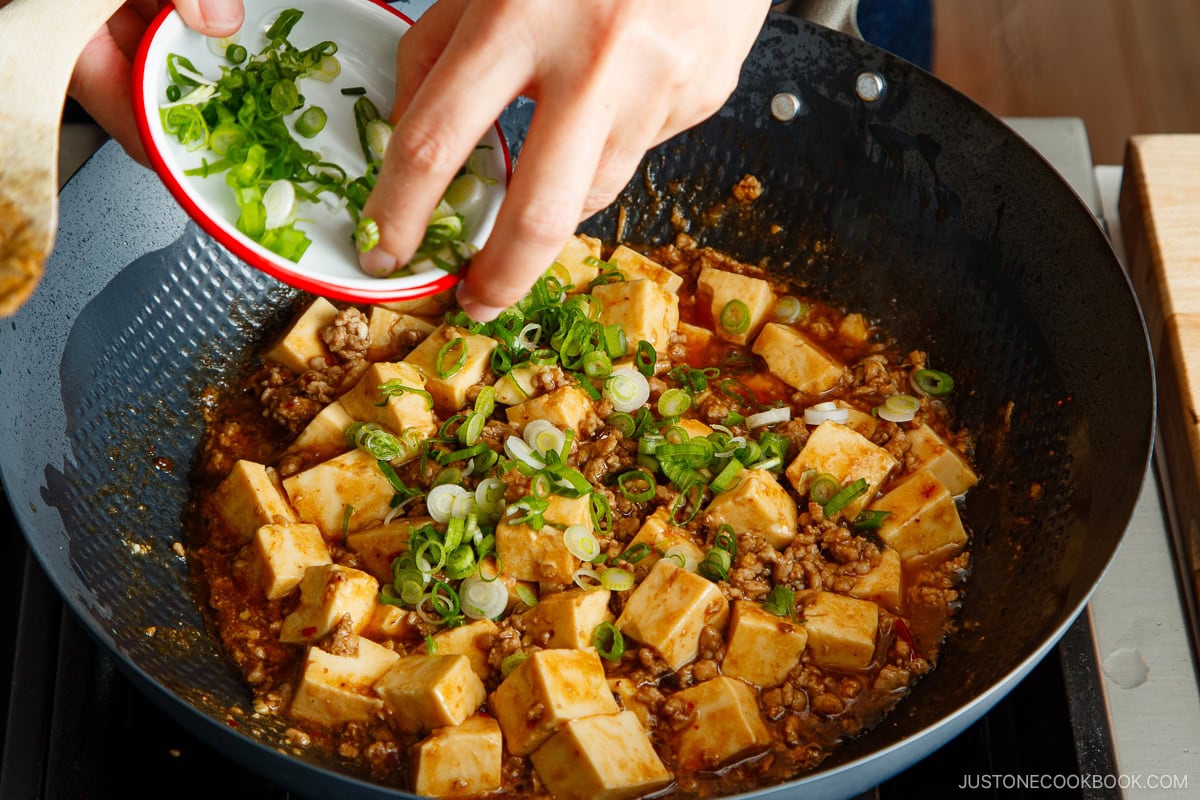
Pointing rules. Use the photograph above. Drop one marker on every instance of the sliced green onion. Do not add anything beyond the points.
(627, 389)
(870, 520)
(631, 492)
(899, 408)
(686, 506)
(609, 643)
(485, 401)
(781, 601)
(441, 500)
(397, 388)
(614, 341)
(616, 579)
(845, 497)
(451, 358)
(674, 402)
(789, 309)
(526, 595)
(236, 54)
(623, 423)
(520, 450)
(470, 431)
(366, 234)
(715, 565)
(772, 416)
(461, 563)
(581, 542)
(597, 364)
(347, 513)
(645, 358)
(511, 662)
(543, 436)
(354, 91)
(932, 382)
(600, 512)
(431, 646)
(482, 599)
(726, 539)
(311, 122)
(586, 578)
(728, 477)
(682, 555)
(828, 410)
(823, 487)
(636, 553)
(735, 317)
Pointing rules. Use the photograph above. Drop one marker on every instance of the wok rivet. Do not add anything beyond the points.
(869, 86)
(785, 106)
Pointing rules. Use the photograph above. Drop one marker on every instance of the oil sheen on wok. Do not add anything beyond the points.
(665, 526)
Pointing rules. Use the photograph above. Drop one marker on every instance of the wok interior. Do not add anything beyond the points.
(920, 210)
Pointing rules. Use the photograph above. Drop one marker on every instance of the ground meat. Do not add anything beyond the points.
(342, 640)
(748, 189)
(348, 336)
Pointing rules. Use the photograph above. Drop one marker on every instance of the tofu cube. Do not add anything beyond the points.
(854, 329)
(392, 622)
(858, 421)
(660, 535)
(424, 692)
(607, 757)
(450, 393)
(568, 407)
(669, 609)
(923, 524)
(542, 555)
(565, 684)
(568, 619)
(636, 266)
(846, 455)
(762, 648)
(378, 546)
(302, 343)
(460, 760)
(694, 428)
(337, 689)
(571, 266)
(626, 692)
(282, 552)
(325, 434)
(698, 339)
(433, 305)
(721, 288)
(796, 361)
(472, 640)
(946, 463)
(398, 412)
(386, 329)
(727, 727)
(327, 593)
(645, 310)
(519, 385)
(249, 498)
(322, 493)
(758, 504)
(884, 584)
(841, 631)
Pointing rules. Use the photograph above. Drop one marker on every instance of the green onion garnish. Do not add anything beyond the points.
(823, 487)
(932, 382)
(451, 357)
(870, 520)
(728, 477)
(636, 553)
(674, 402)
(628, 482)
(366, 234)
(645, 358)
(609, 643)
(781, 602)
(845, 497)
(311, 122)
(735, 317)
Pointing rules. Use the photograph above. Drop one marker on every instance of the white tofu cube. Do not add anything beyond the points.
(473, 640)
(669, 609)
(327, 593)
(282, 552)
(854, 329)
(758, 504)
(385, 329)
(727, 727)
(858, 421)
(923, 524)
(461, 760)
(322, 494)
(434, 305)
(946, 463)
(564, 684)
(571, 267)
(378, 546)
(636, 266)
(607, 757)
(325, 434)
(568, 619)
(796, 361)
(542, 555)
(519, 384)
(392, 622)
(884, 584)
(568, 407)
(450, 392)
(302, 343)
(841, 631)
(423, 692)
(660, 535)
(698, 339)
(397, 412)
(249, 498)
(762, 648)
(645, 310)
(337, 689)
(626, 692)
(722, 288)
(846, 455)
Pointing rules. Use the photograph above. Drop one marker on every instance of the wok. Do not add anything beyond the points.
(919, 208)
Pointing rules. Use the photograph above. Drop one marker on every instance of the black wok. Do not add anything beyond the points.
(918, 207)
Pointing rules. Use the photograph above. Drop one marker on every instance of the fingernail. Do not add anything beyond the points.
(378, 263)
(222, 15)
(480, 312)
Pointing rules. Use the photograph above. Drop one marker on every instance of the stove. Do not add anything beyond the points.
(1088, 722)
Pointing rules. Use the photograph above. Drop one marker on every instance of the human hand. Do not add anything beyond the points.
(612, 78)
(104, 72)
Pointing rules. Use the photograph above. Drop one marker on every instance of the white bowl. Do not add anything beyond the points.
(366, 33)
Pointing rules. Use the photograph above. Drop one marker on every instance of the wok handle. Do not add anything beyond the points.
(840, 15)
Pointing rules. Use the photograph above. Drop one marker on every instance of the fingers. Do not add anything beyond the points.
(101, 83)
(212, 17)
(455, 105)
(544, 203)
(420, 48)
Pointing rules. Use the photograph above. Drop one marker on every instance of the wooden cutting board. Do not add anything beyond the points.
(1160, 220)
